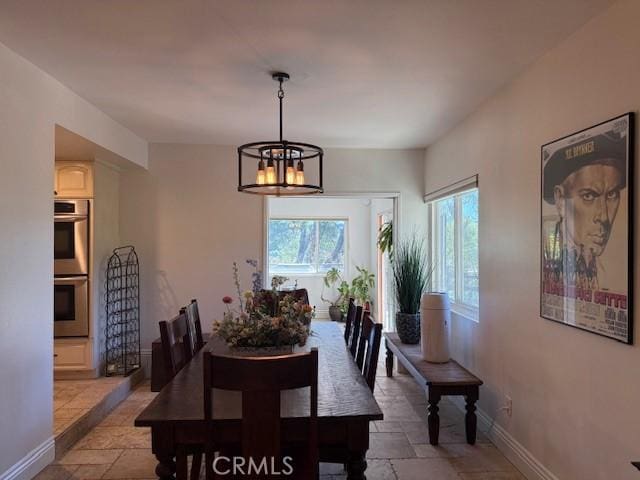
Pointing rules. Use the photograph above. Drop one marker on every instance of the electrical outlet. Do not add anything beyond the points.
(508, 405)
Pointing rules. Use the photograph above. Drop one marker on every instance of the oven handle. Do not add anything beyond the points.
(70, 217)
(71, 278)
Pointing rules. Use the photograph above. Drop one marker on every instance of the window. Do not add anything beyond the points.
(306, 246)
(455, 250)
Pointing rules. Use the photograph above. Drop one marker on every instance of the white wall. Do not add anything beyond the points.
(106, 237)
(189, 223)
(31, 103)
(359, 240)
(575, 394)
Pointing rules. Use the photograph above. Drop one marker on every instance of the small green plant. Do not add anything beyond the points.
(385, 239)
(411, 274)
(361, 284)
(331, 278)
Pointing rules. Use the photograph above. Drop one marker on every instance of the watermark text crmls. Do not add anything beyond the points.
(252, 466)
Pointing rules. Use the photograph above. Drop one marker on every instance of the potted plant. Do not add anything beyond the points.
(331, 279)
(361, 284)
(411, 274)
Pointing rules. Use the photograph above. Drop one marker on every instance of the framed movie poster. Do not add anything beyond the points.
(586, 244)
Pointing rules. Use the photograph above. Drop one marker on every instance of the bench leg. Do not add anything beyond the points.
(470, 419)
(433, 420)
(389, 360)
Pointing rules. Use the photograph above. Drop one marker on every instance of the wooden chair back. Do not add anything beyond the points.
(369, 348)
(176, 344)
(261, 380)
(301, 294)
(195, 328)
(351, 314)
(356, 326)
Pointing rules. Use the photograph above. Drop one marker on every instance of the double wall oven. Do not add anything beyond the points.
(71, 268)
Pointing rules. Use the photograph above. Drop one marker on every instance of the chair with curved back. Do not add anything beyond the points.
(261, 381)
(369, 348)
(195, 328)
(351, 314)
(356, 327)
(177, 348)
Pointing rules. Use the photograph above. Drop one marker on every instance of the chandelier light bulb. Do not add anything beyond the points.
(271, 173)
(300, 174)
(260, 176)
(291, 173)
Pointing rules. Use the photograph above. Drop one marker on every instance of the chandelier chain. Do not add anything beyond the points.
(280, 98)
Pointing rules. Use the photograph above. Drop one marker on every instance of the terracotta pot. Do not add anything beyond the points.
(408, 327)
(335, 313)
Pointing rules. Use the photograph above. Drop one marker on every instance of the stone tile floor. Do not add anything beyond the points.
(74, 398)
(399, 449)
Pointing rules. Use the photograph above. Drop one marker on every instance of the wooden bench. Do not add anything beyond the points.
(440, 379)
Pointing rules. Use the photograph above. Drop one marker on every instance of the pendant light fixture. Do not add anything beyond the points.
(277, 167)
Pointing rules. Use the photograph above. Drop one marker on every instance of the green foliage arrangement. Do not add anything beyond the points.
(358, 289)
(264, 318)
(411, 274)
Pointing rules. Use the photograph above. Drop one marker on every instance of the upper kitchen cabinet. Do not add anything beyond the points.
(73, 179)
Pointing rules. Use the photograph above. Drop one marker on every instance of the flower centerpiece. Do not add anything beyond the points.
(265, 321)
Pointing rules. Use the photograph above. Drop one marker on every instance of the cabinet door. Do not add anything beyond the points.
(73, 180)
(69, 355)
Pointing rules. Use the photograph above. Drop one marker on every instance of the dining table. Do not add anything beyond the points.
(346, 405)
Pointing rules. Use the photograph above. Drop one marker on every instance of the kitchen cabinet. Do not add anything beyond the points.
(73, 179)
(71, 354)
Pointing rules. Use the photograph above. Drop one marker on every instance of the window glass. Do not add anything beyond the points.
(446, 255)
(330, 245)
(455, 249)
(469, 237)
(306, 246)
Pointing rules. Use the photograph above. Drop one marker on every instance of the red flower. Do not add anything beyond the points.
(227, 300)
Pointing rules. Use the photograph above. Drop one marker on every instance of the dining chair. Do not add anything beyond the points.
(177, 352)
(351, 313)
(355, 331)
(176, 344)
(261, 381)
(195, 328)
(369, 348)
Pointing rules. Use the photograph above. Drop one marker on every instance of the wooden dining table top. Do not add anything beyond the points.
(342, 390)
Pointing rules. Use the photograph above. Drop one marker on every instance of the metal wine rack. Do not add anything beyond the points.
(122, 304)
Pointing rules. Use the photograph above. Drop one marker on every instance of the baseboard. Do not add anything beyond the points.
(32, 463)
(522, 458)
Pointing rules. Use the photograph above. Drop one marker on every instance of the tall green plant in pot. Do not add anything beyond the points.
(411, 274)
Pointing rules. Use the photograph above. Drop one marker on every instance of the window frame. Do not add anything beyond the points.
(316, 219)
(457, 305)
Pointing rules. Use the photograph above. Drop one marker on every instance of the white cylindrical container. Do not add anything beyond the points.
(435, 319)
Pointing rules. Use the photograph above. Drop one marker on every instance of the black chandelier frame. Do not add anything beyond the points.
(280, 154)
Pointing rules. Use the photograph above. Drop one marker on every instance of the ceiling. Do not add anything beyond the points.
(365, 73)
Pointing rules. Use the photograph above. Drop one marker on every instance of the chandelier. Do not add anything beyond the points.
(278, 167)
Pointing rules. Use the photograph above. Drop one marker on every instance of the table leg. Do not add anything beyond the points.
(433, 420)
(470, 419)
(356, 466)
(166, 467)
(389, 360)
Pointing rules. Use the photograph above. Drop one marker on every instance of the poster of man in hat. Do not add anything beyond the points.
(585, 245)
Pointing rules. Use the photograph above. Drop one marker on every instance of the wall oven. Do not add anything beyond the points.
(71, 268)
(71, 306)
(71, 237)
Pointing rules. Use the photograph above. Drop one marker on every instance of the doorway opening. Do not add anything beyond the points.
(307, 238)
